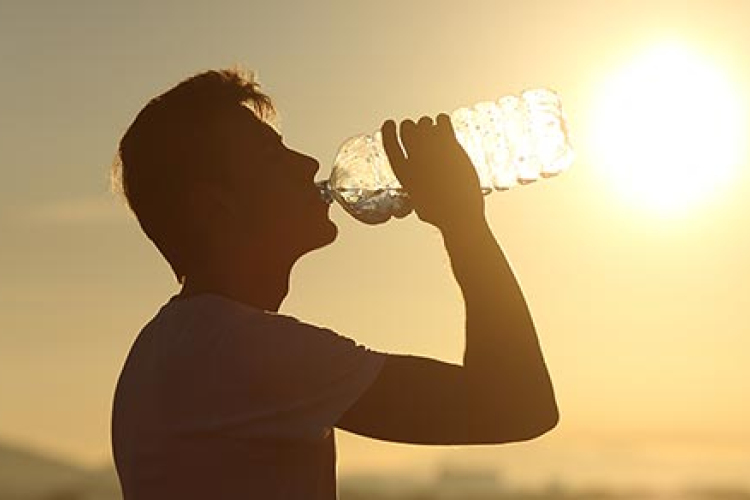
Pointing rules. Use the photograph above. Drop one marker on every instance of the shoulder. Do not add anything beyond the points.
(241, 326)
(295, 337)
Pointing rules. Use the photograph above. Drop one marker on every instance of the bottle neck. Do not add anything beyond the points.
(325, 191)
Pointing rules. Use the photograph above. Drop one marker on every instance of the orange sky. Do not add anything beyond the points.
(642, 316)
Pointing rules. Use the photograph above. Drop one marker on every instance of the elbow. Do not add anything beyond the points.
(524, 428)
(540, 422)
(521, 426)
(547, 421)
(541, 413)
(535, 421)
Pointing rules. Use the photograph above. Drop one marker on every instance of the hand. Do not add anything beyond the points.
(435, 171)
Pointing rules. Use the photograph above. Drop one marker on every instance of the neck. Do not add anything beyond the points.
(260, 283)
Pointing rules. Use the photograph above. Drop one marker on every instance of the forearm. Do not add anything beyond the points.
(502, 354)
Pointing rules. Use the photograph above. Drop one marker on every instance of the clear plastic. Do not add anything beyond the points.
(514, 140)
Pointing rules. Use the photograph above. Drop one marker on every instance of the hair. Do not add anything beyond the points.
(175, 139)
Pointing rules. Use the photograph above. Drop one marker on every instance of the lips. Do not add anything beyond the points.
(315, 199)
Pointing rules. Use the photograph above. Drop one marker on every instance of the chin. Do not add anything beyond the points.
(323, 237)
(329, 234)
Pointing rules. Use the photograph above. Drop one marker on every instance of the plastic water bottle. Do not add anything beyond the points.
(514, 140)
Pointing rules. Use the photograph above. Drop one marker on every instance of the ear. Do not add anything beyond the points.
(218, 206)
(206, 203)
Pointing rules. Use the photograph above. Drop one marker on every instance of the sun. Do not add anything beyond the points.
(668, 128)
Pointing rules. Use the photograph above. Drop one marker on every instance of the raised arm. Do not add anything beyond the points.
(502, 393)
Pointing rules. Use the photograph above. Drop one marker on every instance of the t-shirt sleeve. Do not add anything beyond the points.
(279, 378)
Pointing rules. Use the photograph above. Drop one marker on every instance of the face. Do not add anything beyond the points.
(272, 191)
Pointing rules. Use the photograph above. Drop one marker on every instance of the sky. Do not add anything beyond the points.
(641, 311)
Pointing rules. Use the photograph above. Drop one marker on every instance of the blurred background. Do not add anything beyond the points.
(633, 262)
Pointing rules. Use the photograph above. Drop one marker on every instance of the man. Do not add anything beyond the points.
(222, 397)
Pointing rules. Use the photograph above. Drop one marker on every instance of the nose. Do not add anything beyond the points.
(311, 164)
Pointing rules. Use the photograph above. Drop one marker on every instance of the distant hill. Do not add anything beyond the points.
(31, 475)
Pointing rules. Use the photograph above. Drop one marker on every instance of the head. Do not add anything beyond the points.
(210, 180)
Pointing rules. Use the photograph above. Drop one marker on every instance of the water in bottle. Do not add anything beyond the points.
(514, 140)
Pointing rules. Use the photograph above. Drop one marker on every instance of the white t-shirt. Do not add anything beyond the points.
(219, 400)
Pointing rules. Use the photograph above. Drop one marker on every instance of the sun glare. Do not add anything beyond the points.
(668, 128)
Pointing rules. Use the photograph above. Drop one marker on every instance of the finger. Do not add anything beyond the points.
(446, 131)
(426, 128)
(408, 131)
(443, 122)
(444, 126)
(392, 148)
(424, 122)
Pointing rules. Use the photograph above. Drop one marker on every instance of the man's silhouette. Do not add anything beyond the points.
(221, 397)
